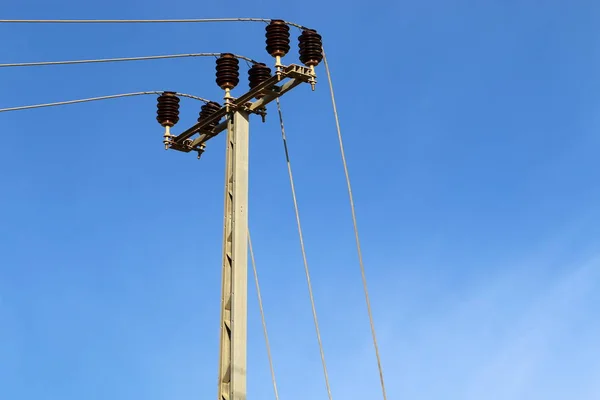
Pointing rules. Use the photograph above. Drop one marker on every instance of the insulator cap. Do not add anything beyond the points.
(228, 75)
(311, 47)
(278, 38)
(167, 109)
(207, 110)
(258, 74)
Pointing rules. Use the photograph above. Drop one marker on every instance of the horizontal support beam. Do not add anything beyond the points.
(182, 137)
(205, 136)
(266, 99)
(275, 92)
(267, 90)
(266, 85)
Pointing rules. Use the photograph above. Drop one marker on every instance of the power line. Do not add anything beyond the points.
(189, 96)
(130, 21)
(237, 168)
(303, 249)
(105, 60)
(262, 315)
(114, 96)
(139, 21)
(355, 224)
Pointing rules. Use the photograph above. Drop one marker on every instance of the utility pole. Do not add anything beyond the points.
(234, 292)
(264, 88)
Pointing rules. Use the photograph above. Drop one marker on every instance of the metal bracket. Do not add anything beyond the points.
(268, 91)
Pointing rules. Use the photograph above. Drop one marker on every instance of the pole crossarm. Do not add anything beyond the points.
(268, 91)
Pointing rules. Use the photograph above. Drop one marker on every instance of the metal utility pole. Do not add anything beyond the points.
(264, 88)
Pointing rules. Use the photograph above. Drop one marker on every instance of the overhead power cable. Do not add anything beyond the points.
(107, 60)
(355, 224)
(114, 96)
(139, 21)
(303, 249)
(262, 315)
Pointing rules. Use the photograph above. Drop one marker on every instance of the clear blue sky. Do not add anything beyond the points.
(472, 138)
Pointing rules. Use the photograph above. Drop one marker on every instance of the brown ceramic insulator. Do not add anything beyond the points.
(278, 38)
(310, 48)
(207, 110)
(167, 113)
(258, 74)
(228, 71)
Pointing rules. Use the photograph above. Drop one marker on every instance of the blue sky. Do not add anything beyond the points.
(471, 133)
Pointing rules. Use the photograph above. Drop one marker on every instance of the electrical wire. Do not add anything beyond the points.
(262, 315)
(306, 270)
(207, 20)
(114, 96)
(355, 224)
(129, 21)
(189, 96)
(138, 21)
(105, 60)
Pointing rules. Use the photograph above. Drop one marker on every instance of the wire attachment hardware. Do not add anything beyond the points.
(200, 150)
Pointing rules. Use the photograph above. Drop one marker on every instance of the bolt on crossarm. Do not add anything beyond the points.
(264, 88)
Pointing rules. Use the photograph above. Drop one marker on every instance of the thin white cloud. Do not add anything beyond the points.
(522, 336)
(518, 363)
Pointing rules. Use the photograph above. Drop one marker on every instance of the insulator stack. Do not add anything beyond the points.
(167, 109)
(207, 110)
(228, 75)
(311, 48)
(278, 38)
(257, 75)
